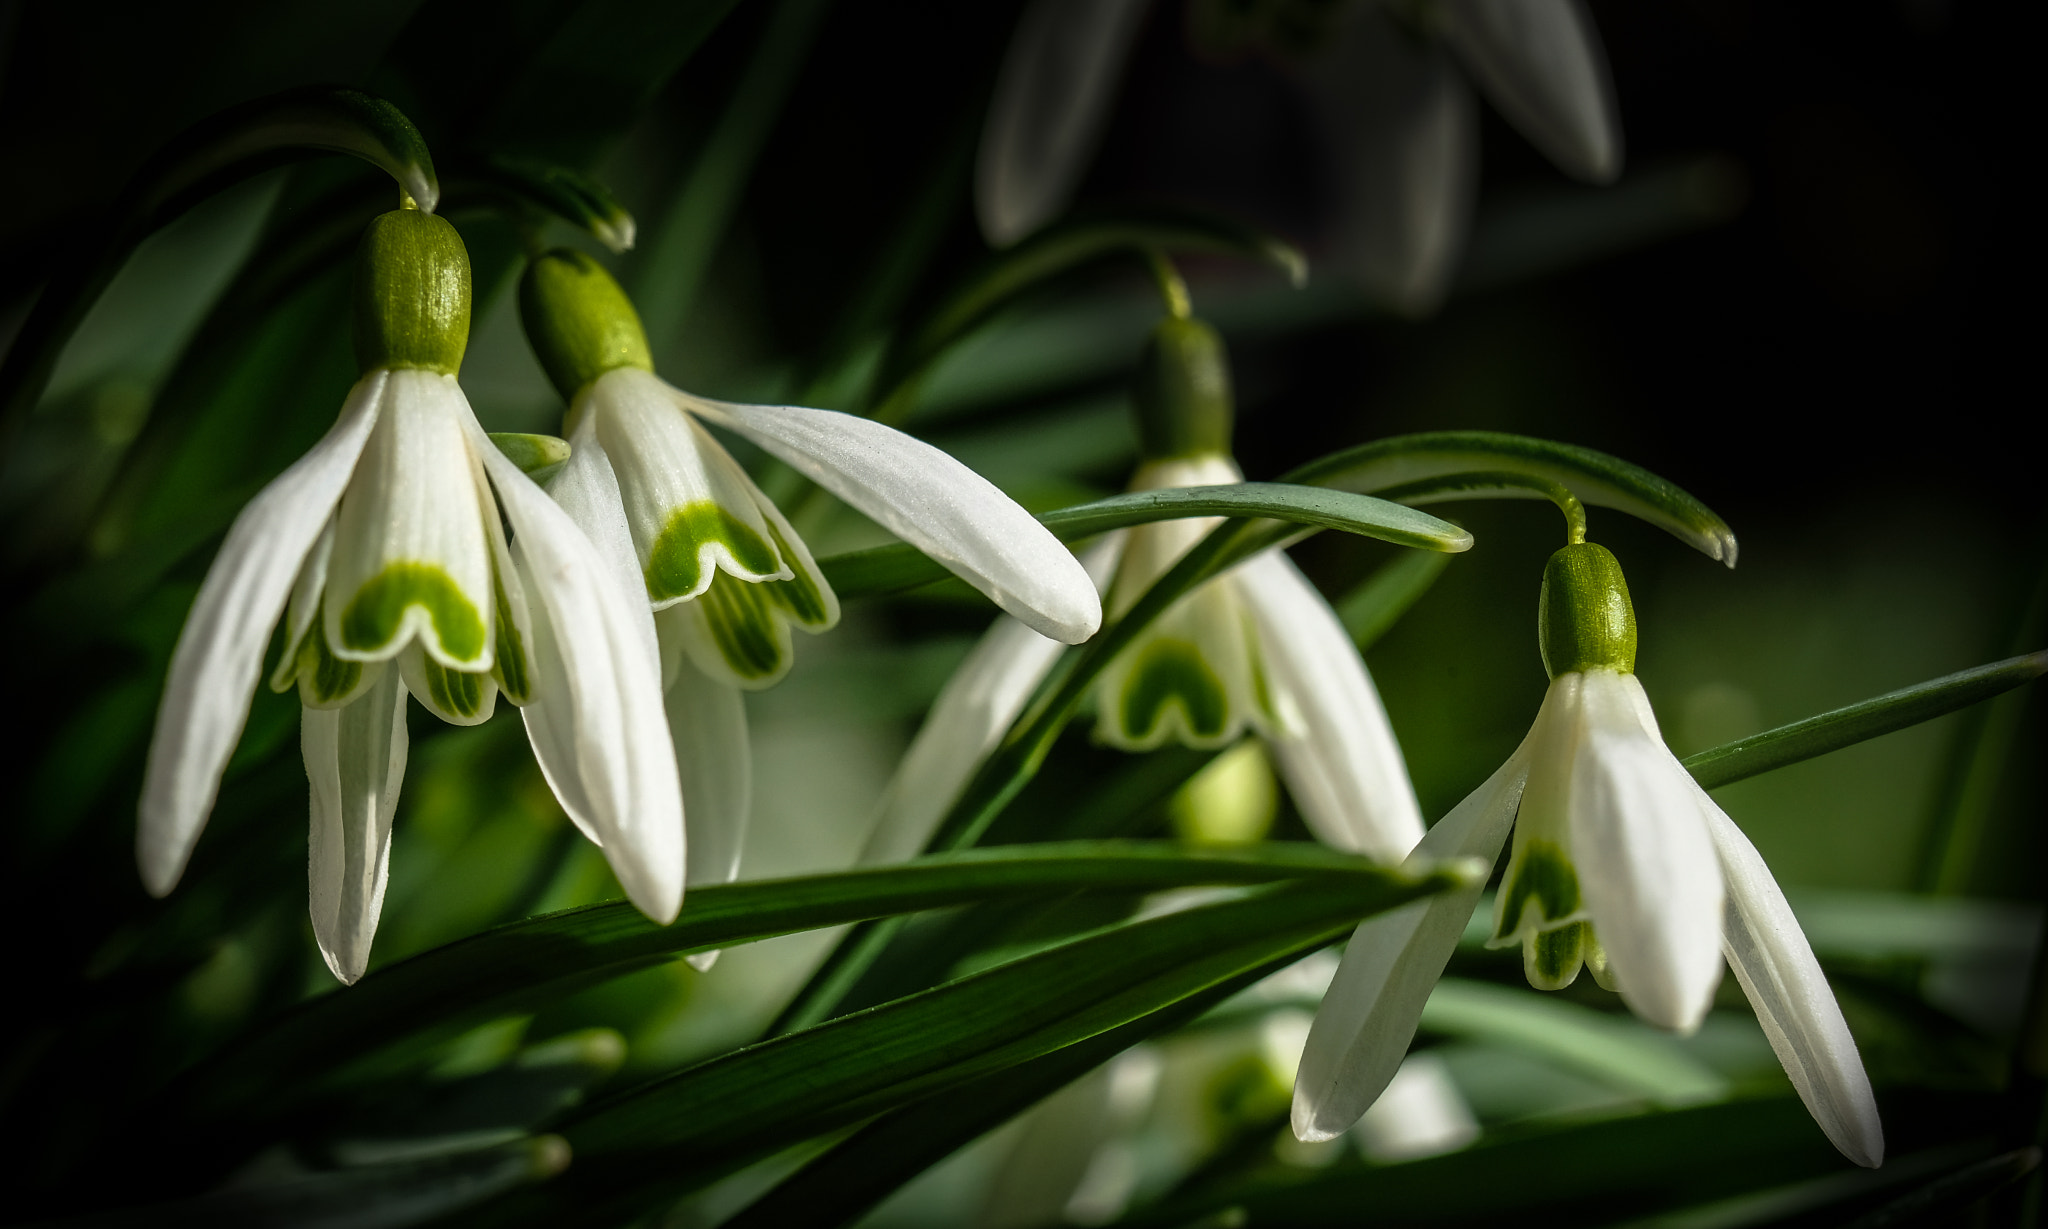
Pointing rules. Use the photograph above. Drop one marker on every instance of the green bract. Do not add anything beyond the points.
(579, 320)
(411, 294)
(1585, 620)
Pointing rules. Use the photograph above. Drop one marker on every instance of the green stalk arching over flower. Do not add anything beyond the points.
(1256, 649)
(722, 568)
(384, 551)
(1620, 862)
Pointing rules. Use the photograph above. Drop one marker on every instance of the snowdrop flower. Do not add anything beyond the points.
(385, 551)
(1256, 650)
(1386, 81)
(690, 535)
(1621, 862)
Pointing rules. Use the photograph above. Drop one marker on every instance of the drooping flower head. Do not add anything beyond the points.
(1620, 863)
(723, 569)
(1256, 650)
(385, 549)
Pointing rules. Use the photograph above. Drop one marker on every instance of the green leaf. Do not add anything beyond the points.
(1615, 1050)
(1579, 1174)
(1437, 464)
(398, 1192)
(887, 569)
(1845, 727)
(533, 962)
(211, 155)
(855, 1175)
(531, 184)
(656, 1140)
(1059, 250)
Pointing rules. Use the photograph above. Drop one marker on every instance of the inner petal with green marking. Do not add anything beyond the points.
(700, 539)
(409, 598)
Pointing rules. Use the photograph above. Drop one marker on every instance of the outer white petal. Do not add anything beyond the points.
(413, 501)
(1540, 62)
(1342, 766)
(596, 721)
(1646, 866)
(587, 488)
(1369, 1015)
(707, 717)
(1053, 94)
(1797, 1010)
(978, 704)
(1399, 124)
(355, 762)
(220, 652)
(933, 502)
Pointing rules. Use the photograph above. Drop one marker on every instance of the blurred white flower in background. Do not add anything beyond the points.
(1389, 83)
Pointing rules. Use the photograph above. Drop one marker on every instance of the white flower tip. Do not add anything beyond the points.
(660, 897)
(160, 869)
(1077, 616)
(1674, 1008)
(701, 961)
(1309, 1126)
(347, 966)
(1866, 1146)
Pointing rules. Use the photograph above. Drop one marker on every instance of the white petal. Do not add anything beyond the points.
(1793, 1002)
(411, 557)
(596, 720)
(1369, 1015)
(220, 651)
(1342, 766)
(692, 510)
(978, 705)
(458, 697)
(932, 502)
(587, 489)
(1399, 124)
(355, 763)
(1646, 866)
(1540, 63)
(1052, 97)
(708, 720)
(304, 606)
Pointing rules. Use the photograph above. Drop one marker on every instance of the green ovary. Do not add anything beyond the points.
(372, 619)
(675, 564)
(1169, 672)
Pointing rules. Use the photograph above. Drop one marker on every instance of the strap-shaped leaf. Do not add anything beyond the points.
(1439, 464)
(669, 1135)
(1845, 727)
(537, 960)
(211, 155)
(570, 195)
(887, 569)
(840, 1186)
(1059, 250)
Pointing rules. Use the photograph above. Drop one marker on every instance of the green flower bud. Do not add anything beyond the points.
(411, 294)
(1585, 620)
(579, 320)
(1183, 392)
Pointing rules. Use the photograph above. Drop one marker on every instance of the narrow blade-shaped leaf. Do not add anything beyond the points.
(537, 960)
(1411, 462)
(1855, 723)
(888, 569)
